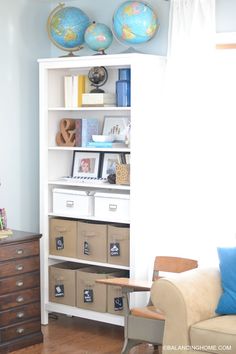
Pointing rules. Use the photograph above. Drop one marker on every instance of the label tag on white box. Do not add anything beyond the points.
(114, 249)
(59, 243)
(118, 303)
(59, 290)
(88, 295)
(86, 248)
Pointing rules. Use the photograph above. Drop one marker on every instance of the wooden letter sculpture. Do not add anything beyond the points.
(66, 135)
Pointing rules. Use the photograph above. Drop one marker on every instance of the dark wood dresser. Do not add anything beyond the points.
(20, 321)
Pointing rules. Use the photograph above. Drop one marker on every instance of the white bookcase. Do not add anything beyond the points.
(55, 162)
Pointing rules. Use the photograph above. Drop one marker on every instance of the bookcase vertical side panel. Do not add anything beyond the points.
(43, 161)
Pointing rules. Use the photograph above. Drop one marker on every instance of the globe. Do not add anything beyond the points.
(98, 37)
(66, 27)
(134, 22)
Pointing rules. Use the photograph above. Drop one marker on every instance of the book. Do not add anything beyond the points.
(5, 233)
(90, 127)
(78, 132)
(98, 99)
(84, 129)
(68, 91)
(75, 90)
(81, 89)
(105, 144)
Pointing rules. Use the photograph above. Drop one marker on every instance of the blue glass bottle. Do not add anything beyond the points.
(123, 88)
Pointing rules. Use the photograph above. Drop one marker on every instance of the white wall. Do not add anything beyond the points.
(23, 39)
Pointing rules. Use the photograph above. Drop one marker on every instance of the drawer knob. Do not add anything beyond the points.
(19, 299)
(20, 314)
(19, 251)
(112, 207)
(19, 283)
(69, 203)
(19, 267)
(20, 330)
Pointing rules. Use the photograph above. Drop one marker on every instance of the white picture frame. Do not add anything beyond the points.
(85, 164)
(116, 126)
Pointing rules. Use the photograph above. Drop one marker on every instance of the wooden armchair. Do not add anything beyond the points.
(146, 324)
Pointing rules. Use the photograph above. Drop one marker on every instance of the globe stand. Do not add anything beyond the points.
(96, 90)
(100, 52)
(71, 54)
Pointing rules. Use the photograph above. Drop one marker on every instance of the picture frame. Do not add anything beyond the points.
(109, 164)
(85, 164)
(117, 126)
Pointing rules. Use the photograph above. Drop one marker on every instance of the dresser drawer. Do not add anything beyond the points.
(19, 298)
(19, 266)
(20, 314)
(19, 330)
(24, 281)
(19, 250)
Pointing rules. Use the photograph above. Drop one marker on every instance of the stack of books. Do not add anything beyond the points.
(5, 233)
(74, 87)
(84, 130)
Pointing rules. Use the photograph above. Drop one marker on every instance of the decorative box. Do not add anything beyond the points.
(72, 202)
(112, 206)
(62, 283)
(115, 297)
(63, 237)
(98, 99)
(123, 174)
(92, 241)
(92, 295)
(118, 245)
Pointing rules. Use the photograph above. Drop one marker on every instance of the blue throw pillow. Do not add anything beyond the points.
(227, 302)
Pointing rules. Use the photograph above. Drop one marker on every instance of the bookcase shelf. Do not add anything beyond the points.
(82, 261)
(94, 185)
(76, 148)
(110, 108)
(56, 162)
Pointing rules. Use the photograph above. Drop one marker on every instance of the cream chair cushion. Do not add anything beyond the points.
(215, 335)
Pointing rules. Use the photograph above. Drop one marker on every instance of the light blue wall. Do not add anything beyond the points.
(22, 42)
(24, 39)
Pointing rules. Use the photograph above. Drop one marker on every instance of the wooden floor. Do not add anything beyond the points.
(66, 335)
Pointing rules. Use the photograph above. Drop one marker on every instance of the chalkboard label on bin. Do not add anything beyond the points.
(59, 290)
(86, 248)
(59, 243)
(118, 303)
(88, 295)
(114, 249)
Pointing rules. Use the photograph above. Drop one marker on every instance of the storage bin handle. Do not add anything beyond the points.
(61, 229)
(89, 234)
(69, 203)
(112, 207)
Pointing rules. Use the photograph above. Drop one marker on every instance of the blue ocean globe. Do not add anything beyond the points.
(66, 27)
(98, 37)
(134, 22)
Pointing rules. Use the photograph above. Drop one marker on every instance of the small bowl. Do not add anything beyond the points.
(103, 138)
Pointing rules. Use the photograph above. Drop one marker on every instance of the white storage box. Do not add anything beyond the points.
(72, 202)
(112, 206)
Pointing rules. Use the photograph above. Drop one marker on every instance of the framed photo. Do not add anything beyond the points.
(85, 164)
(117, 126)
(109, 164)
